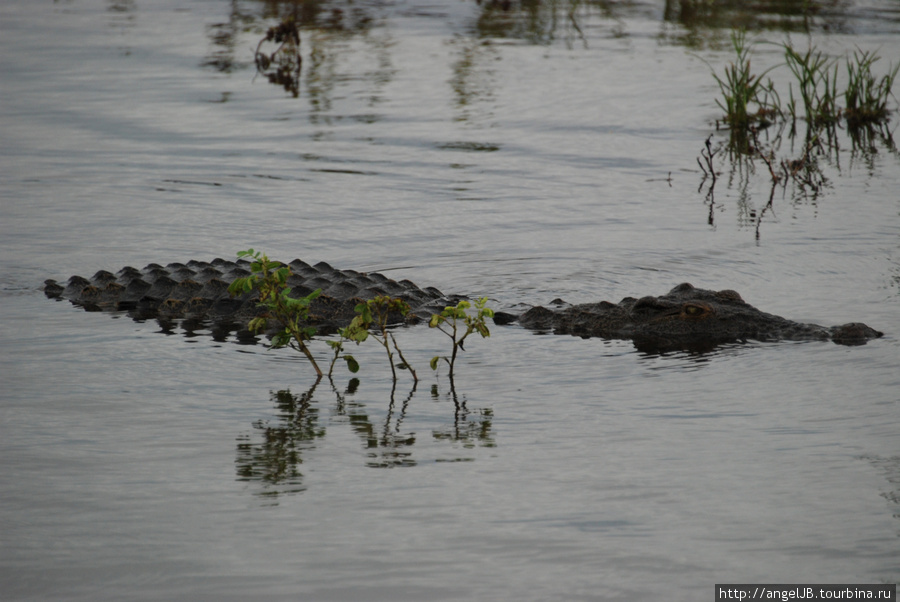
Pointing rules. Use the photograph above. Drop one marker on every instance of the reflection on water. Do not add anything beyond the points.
(249, 20)
(473, 79)
(275, 460)
(794, 165)
(327, 26)
(700, 22)
(281, 63)
(469, 427)
(271, 455)
(388, 446)
(537, 22)
(331, 32)
(707, 23)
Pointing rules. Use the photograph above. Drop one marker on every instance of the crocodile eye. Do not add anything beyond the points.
(695, 310)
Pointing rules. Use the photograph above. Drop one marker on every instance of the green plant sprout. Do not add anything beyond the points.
(269, 278)
(378, 312)
(456, 317)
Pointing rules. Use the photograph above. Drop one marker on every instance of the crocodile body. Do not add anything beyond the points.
(195, 296)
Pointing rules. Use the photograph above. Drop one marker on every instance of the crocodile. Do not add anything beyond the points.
(194, 295)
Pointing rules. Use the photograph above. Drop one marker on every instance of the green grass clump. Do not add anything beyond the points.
(746, 98)
(750, 101)
(866, 96)
(816, 77)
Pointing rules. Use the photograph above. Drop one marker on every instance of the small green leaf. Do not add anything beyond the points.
(295, 305)
(246, 284)
(434, 362)
(236, 287)
(281, 339)
(365, 315)
(352, 364)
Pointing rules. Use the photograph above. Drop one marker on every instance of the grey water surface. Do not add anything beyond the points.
(522, 152)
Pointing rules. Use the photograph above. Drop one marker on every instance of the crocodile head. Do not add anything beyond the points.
(685, 318)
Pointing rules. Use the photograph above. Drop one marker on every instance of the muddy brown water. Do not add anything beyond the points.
(520, 155)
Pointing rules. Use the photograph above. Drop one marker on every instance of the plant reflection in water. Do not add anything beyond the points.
(271, 454)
